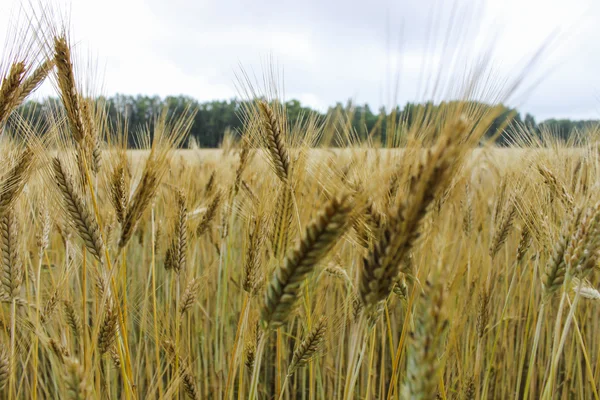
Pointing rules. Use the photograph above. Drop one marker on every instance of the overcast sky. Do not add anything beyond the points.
(331, 51)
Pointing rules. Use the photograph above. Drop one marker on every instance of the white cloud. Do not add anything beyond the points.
(333, 50)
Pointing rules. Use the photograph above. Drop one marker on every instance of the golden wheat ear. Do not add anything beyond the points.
(187, 378)
(177, 252)
(319, 237)
(381, 267)
(555, 270)
(426, 344)
(9, 90)
(15, 180)
(83, 220)
(4, 367)
(32, 82)
(190, 295)
(119, 191)
(12, 268)
(77, 381)
(108, 330)
(68, 90)
(167, 135)
(274, 141)
(209, 215)
(309, 346)
(253, 251)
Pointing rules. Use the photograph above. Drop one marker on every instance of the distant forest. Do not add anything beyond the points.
(213, 119)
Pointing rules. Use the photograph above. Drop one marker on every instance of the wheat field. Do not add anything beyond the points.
(447, 268)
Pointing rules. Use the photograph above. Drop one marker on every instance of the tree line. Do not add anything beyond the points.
(214, 119)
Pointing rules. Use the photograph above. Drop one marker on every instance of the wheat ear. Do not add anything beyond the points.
(9, 90)
(4, 367)
(190, 294)
(425, 346)
(16, 179)
(274, 141)
(108, 330)
(83, 220)
(320, 236)
(382, 264)
(255, 239)
(32, 82)
(68, 90)
(309, 346)
(209, 215)
(12, 269)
